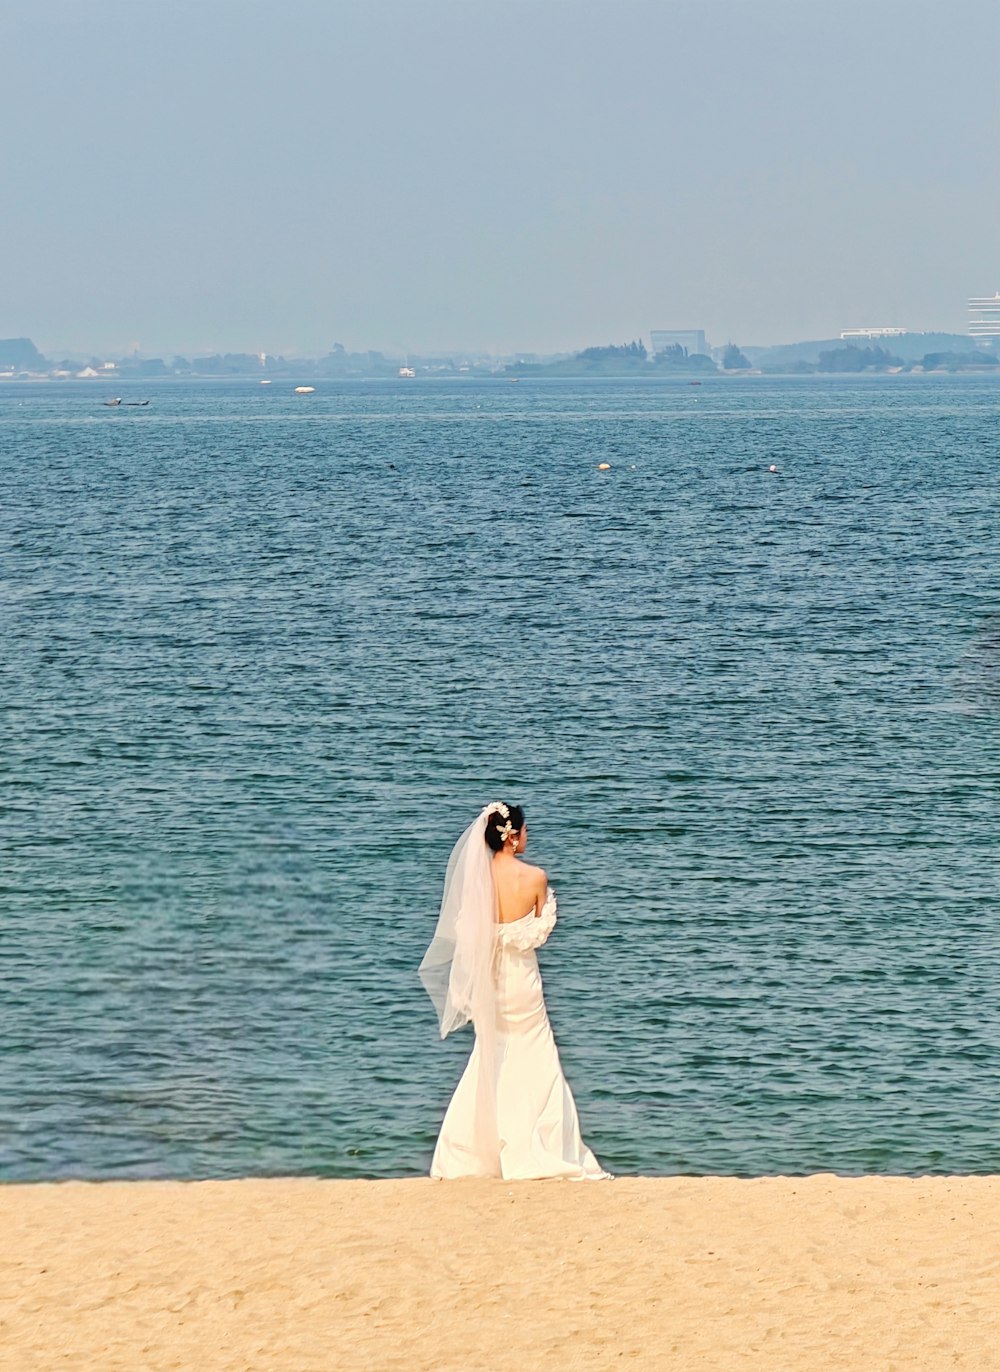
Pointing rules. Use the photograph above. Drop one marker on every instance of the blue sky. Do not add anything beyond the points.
(444, 174)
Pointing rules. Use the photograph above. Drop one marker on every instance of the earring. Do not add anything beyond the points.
(514, 845)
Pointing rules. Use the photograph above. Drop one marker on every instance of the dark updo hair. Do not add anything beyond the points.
(495, 822)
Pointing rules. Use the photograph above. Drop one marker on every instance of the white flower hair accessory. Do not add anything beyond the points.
(504, 830)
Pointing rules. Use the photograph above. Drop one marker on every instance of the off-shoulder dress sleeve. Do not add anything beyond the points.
(533, 930)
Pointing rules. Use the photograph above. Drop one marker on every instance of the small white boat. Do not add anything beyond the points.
(304, 390)
(407, 371)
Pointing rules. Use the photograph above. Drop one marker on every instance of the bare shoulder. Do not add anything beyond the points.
(537, 876)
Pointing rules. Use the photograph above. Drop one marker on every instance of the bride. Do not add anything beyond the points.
(512, 1114)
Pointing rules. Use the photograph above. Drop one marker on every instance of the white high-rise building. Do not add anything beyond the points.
(692, 340)
(984, 316)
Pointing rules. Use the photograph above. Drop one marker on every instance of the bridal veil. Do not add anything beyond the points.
(458, 967)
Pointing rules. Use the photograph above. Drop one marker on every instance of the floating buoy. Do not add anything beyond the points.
(304, 390)
(604, 466)
(772, 468)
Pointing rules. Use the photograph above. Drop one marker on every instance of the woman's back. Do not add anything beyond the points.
(520, 888)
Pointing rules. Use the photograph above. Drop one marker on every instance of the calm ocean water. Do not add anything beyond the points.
(264, 656)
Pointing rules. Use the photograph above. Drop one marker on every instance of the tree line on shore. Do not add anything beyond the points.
(633, 359)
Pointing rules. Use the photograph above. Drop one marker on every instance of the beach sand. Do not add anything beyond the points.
(782, 1274)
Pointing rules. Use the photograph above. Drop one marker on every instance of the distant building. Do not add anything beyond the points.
(870, 334)
(691, 340)
(984, 317)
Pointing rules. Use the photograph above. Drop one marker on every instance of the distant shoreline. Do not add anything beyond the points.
(278, 382)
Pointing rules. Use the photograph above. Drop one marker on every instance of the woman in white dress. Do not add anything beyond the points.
(512, 1114)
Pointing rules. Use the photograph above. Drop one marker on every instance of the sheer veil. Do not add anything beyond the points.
(458, 968)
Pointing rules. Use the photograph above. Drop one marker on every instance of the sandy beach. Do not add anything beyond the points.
(783, 1274)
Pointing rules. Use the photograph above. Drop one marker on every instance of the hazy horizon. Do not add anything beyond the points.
(445, 178)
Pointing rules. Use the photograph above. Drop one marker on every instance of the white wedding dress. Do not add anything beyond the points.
(537, 1128)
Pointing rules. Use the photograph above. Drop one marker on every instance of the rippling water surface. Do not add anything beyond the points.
(263, 656)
